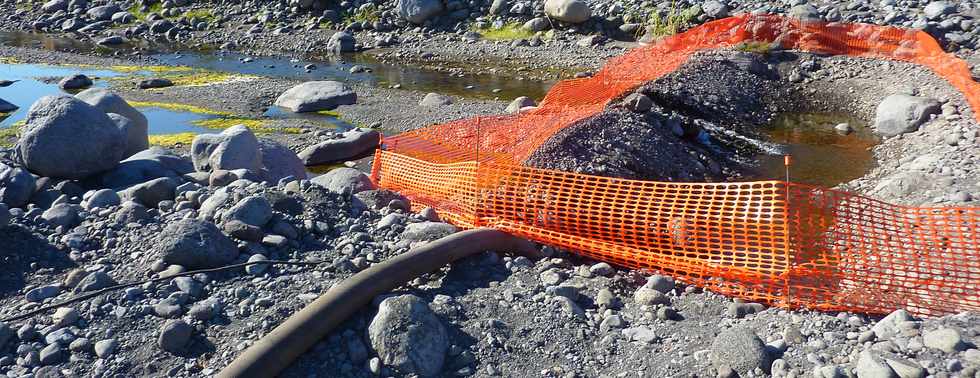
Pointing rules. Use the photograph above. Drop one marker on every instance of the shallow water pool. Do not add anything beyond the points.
(821, 155)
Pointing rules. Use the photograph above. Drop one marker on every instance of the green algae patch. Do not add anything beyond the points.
(224, 123)
(206, 78)
(322, 169)
(507, 32)
(200, 14)
(9, 135)
(170, 140)
(152, 69)
(8, 60)
(137, 11)
(179, 108)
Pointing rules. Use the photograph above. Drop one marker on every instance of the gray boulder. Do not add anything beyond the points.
(341, 42)
(937, 9)
(436, 99)
(350, 145)
(279, 162)
(136, 133)
(234, 148)
(61, 214)
(111, 40)
(6, 107)
(427, 231)
(344, 179)
(570, 11)
(715, 9)
(103, 199)
(520, 103)
(253, 210)
(152, 192)
(900, 114)
(156, 82)
(128, 127)
(102, 13)
(804, 12)
(64, 137)
(146, 165)
(16, 186)
(76, 81)
(408, 336)
(195, 244)
(947, 340)
(174, 336)
(94, 281)
(161, 26)
(314, 96)
(739, 350)
(418, 11)
(123, 17)
(538, 24)
(54, 6)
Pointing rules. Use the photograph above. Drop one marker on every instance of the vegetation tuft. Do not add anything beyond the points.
(507, 32)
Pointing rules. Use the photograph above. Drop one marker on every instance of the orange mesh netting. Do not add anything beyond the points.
(782, 243)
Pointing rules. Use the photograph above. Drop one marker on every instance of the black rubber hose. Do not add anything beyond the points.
(277, 350)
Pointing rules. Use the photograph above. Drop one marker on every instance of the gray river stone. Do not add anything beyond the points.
(195, 244)
(900, 114)
(315, 96)
(350, 145)
(344, 179)
(137, 133)
(64, 137)
(408, 336)
(418, 11)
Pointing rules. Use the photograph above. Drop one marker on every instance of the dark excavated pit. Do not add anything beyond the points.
(729, 115)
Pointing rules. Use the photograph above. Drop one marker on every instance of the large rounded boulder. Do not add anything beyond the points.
(64, 137)
(570, 11)
(195, 244)
(419, 11)
(137, 138)
(235, 148)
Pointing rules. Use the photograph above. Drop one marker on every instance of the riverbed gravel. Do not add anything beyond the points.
(496, 314)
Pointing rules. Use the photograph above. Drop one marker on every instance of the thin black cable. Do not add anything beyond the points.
(158, 279)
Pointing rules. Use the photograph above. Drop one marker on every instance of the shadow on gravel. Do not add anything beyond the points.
(19, 249)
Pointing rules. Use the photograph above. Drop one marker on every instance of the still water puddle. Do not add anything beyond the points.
(375, 73)
(820, 154)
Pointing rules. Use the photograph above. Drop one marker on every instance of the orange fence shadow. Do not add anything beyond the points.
(785, 244)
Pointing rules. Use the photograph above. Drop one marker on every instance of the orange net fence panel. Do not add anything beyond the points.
(781, 243)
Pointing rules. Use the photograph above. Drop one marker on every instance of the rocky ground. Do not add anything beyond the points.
(77, 219)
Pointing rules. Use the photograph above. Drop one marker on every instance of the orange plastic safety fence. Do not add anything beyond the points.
(785, 244)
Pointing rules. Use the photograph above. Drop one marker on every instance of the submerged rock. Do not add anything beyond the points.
(6, 107)
(315, 96)
(76, 81)
(64, 137)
